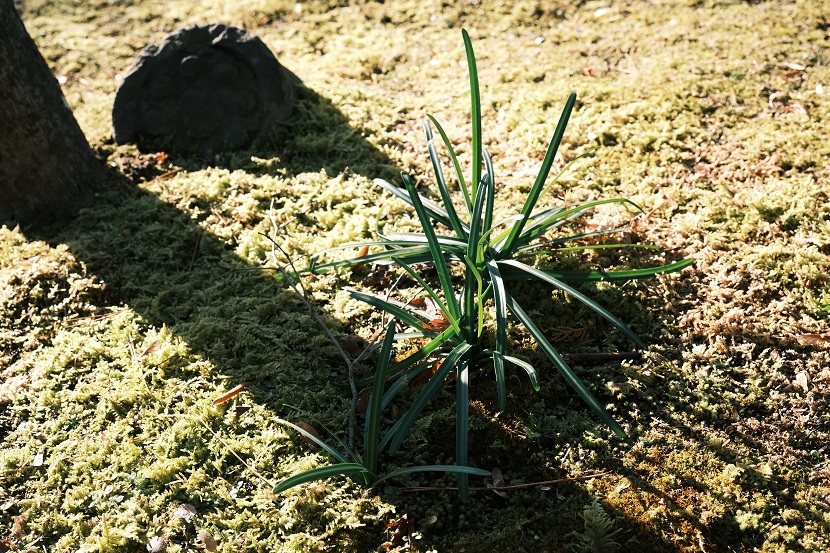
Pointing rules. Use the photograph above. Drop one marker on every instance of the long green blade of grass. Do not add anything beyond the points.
(543, 225)
(436, 212)
(607, 315)
(479, 304)
(459, 174)
(490, 183)
(433, 468)
(318, 425)
(476, 228)
(531, 371)
(371, 436)
(565, 169)
(499, 295)
(420, 238)
(399, 384)
(469, 297)
(536, 189)
(537, 249)
(435, 342)
(432, 294)
(394, 310)
(319, 473)
(462, 422)
(408, 307)
(395, 240)
(592, 276)
(475, 101)
(405, 252)
(309, 436)
(563, 368)
(435, 248)
(442, 183)
(501, 388)
(412, 414)
(502, 236)
(399, 337)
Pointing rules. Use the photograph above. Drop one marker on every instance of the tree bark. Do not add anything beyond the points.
(47, 169)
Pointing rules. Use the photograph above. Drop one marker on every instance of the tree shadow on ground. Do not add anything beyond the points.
(159, 261)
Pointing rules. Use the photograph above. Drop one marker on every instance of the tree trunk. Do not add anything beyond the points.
(47, 169)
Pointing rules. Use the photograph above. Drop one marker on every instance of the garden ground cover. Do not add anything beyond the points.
(118, 330)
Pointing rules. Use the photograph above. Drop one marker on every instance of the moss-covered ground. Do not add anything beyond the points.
(119, 329)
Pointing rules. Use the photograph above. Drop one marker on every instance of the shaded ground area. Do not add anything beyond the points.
(118, 331)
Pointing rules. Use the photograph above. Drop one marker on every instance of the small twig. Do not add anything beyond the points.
(75, 321)
(349, 364)
(512, 487)
(165, 176)
(301, 293)
(224, 443)
(195, 252)
(389, 295)
(600, 357)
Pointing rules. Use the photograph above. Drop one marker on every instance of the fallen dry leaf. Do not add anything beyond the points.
(362, 253)
(186, 511)
(424, 376)
(432, 519)
(427, 304)
(167, 175)
(151, 348)
(498, 478)
(378, 278)
(814, 339)
(802, 382)
(404, 527)
(208, 541)
(363, 400)
(498, 481)
(310, 429)
(437, 325)
(792, 73)
(19, 527)
(352, 344)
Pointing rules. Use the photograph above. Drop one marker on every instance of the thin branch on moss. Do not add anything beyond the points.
(512, 487)
(602, 357)
(301, 293)
(224, 443)
(195, 251)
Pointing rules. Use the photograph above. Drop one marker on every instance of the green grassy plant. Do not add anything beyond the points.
(490, 254)
(365, 470)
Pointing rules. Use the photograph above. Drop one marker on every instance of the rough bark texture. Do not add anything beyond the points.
(47, 169)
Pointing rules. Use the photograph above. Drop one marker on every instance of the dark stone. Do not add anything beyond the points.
(203, 90)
